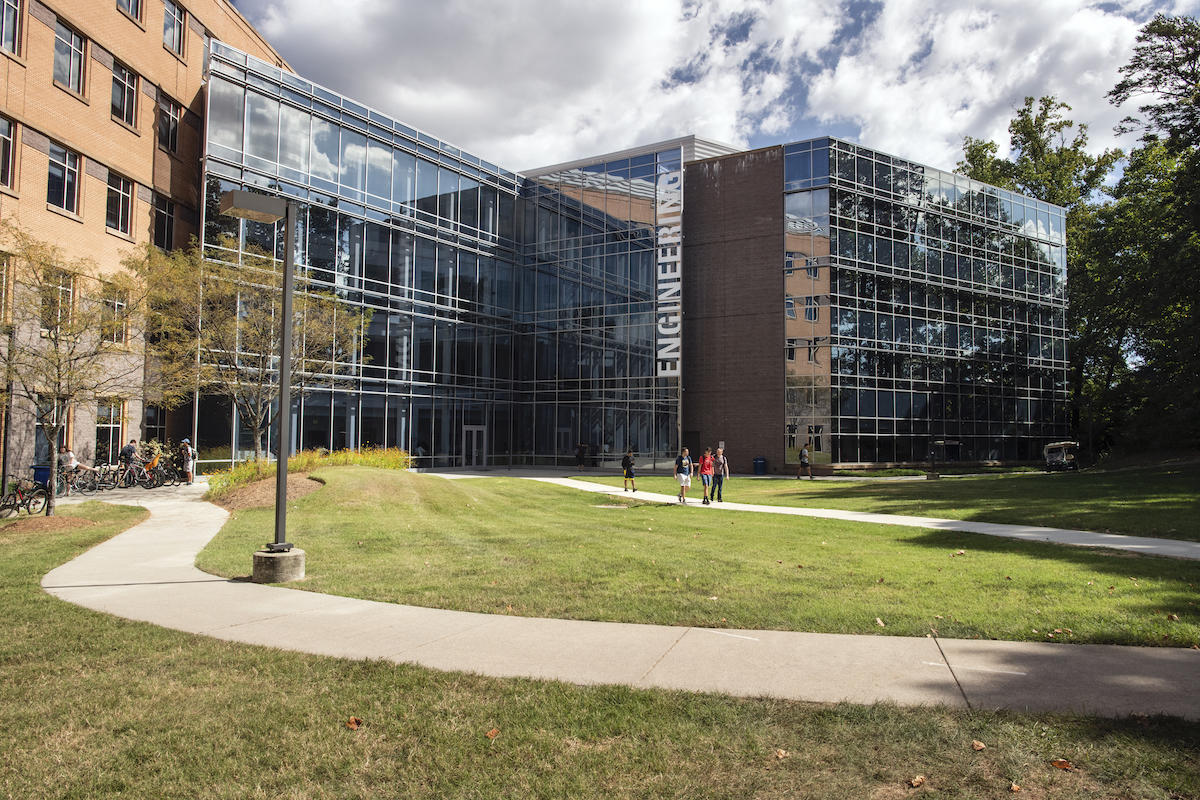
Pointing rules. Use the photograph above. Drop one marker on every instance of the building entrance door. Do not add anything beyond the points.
(474, 445)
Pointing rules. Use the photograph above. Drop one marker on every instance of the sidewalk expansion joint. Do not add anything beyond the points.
(666, 653)
(953, 674)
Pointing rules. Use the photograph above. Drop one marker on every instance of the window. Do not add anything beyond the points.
(131, 7)
(112, 316)
(169, 114)
(124, 94)
(156, 424)
(57, 290)
(789, 307)
(174, 25)
(810, 309)
(62, 184)
(108, 430)
(10, 25)
(120, 202)
(51, 411)
(68, 58)
(7, 151)
(164, 222)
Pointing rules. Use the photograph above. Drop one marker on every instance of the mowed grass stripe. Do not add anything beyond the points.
(512, 546)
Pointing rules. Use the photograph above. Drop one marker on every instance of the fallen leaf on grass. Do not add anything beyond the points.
(879, 622)
(1061, 763)
(781, 753)
(1014, 787)
(977, 745)
(1173, 617)
(354, 723)
(493, 733)
(917, 781)
(714, 597)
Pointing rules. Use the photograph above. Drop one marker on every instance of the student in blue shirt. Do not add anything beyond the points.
(683, 474)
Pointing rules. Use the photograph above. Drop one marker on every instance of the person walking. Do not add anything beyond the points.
(683, 474)
(720, 473)
(706, 467)
(627, 470)
(187, 459)
(805, 466)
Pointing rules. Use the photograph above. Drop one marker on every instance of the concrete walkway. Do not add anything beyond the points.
(147, 574)
(1172, 548)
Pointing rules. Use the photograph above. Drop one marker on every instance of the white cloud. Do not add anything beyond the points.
(926, 74)
(528, 83)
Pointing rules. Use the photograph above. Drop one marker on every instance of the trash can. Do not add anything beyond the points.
(41, 473)
(760, 466)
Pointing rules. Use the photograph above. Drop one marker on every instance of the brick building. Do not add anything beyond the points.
(101, 137)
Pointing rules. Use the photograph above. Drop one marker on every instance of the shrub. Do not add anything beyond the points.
(249, 472)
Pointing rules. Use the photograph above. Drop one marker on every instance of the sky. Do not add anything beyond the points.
(528, 83)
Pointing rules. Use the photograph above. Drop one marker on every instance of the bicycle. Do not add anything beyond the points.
(135, 474)
(107, 476)
(28, 495)
(165, 473)
(83, 481)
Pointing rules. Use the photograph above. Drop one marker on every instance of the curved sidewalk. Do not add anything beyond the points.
(147, 573)
(1172, 548)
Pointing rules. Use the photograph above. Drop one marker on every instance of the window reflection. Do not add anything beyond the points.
(326, 150)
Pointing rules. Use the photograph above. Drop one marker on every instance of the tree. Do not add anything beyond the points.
(1047, 162)
(216, 327)
(1165, 68)
(1158, 211)
(82, 340)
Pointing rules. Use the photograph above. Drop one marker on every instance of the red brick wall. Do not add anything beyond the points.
(733, 359)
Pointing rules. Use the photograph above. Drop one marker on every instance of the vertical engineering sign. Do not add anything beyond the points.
(668, 251)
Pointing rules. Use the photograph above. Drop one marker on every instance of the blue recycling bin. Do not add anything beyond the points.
(760, 466)
(41, 473)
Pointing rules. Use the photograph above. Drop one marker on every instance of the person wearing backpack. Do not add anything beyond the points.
(187, 459)
(720, 473)
(683, 474)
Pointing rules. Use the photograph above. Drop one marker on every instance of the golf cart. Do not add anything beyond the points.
(1061, 456)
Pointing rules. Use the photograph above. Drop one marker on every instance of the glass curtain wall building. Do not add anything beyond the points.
(512, 318)
(519, 318)
(942, 301)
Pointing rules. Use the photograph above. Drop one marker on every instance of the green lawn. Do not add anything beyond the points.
(1150, 501)
(93, 706)
(508, 545)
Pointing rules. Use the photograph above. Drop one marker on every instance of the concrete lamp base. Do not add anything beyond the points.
(278, 567)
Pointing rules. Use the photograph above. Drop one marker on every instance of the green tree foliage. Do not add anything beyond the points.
(1165, 74)
(216, 327)
(1048, 161)
(1157, 206)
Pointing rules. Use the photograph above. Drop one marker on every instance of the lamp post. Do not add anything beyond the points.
(280, 561)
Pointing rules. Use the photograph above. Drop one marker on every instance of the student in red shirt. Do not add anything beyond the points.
(707, 468)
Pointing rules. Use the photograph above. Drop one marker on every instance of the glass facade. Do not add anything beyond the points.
(940, 312)
(515, 318)
(511, 318)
